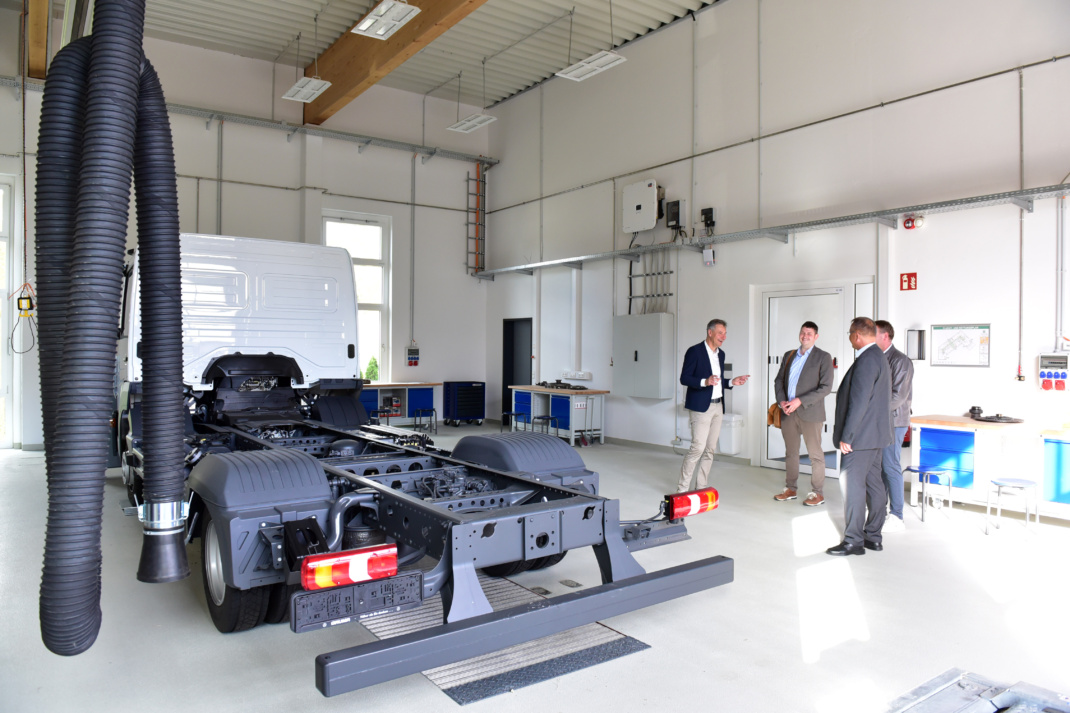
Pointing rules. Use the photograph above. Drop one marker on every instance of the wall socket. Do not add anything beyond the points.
(581, 375)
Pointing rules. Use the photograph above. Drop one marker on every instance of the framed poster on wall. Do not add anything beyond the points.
(960, 344)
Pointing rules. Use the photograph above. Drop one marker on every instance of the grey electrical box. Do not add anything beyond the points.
(643, 356)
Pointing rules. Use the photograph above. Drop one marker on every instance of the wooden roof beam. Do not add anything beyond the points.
(37, 37)
(354, 63)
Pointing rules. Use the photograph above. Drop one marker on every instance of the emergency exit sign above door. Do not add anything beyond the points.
(908, 281)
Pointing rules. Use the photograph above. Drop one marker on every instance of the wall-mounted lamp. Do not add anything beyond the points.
(385, 19)
(306, 89)
(596, 63)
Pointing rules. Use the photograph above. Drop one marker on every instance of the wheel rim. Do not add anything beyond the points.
(213, 566)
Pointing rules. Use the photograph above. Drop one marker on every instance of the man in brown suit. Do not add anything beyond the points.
(803, 382)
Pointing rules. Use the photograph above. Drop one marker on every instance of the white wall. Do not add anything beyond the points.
(278, 189)
(694, 107)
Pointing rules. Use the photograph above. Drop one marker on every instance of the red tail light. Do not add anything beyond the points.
(692, 503)
(349, 567)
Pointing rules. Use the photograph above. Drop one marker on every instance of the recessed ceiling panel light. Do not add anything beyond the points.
(586, 68)
(306, 89)
(470, 123)
(385, 19)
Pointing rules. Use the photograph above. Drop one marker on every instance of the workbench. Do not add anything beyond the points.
(576, 410)
(401, 399)
(973, 453)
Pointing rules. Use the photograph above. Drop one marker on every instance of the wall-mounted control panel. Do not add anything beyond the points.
(1054, 370)
(640, 206)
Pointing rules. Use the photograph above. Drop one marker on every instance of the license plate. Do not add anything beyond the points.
(311, 611)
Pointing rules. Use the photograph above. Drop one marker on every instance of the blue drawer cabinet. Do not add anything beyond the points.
(560, 407)
(522, 404)
(422, 398)
(1057, 470)
(951, 451)
(370, 399)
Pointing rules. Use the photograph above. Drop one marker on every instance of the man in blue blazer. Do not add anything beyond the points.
(863, 429)
(704, 400)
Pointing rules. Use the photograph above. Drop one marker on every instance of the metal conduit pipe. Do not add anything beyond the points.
(87, 155)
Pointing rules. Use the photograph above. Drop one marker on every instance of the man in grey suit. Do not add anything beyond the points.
(863, 429)
(803, 382)
(902, 392)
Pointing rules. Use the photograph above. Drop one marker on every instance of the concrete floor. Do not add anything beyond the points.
(796, 631)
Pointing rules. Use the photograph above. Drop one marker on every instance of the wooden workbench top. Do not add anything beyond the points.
(563, 392)
(957, 421)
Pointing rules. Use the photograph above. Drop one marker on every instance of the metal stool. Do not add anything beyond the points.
(925, 476)
(510, 414)
(546, 421)
(1020, 484)
(432, 420)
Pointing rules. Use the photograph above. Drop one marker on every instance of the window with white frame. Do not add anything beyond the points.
(367, 238)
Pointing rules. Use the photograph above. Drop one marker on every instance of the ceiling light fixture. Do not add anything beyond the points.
(474, 121)
(385, 19)
(596, 63)
(307, 89)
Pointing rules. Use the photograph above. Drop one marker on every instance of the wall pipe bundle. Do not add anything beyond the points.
(103, 117)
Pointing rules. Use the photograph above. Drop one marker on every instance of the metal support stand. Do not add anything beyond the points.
(614, 560)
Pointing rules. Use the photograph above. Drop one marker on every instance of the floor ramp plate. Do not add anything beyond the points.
(517, 666)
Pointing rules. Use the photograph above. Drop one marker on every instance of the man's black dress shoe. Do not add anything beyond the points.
(844, 549)
(871, 545)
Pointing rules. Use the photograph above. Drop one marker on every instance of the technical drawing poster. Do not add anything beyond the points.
(960, 344)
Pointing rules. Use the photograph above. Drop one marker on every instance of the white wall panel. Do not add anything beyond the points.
(728, 181)
(514, 140)
(1046, 107)
(726, 50)
(635, 115)
(374, 173)
(827, 57)
(580, 222)
(255, 212)
(513, 236)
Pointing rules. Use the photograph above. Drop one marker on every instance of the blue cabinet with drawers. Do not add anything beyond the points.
(947, 450)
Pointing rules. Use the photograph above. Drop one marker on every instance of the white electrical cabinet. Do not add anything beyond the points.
(640, 210)
(643, 356)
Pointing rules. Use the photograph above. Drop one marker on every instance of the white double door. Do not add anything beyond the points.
(785, 312)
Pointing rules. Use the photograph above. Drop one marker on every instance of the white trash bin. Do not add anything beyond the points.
(731, 440)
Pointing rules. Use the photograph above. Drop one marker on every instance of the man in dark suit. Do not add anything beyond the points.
(704, 400)
(902, 393)
(863, 428)
(803, 382)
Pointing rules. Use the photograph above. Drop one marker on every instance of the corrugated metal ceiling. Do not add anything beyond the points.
(526, 41)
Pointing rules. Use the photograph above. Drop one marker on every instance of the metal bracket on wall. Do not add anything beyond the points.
(887, 222)
(1025, 204)
(574, 265)
(481, 276)
(427, 157)
(778, 235)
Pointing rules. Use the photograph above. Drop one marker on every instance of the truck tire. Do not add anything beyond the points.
(231, 609)
(278, 607)
(508, 569)
(548, 561)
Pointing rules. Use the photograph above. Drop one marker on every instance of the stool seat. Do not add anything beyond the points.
(1021, 484)
(925, 477)
(1014, 482)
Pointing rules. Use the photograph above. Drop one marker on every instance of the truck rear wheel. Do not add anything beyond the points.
(231, 609)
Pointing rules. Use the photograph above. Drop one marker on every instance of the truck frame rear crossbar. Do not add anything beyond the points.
(366, 665)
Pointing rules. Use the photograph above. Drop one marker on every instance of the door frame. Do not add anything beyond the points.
(508, 358)
(763, 293)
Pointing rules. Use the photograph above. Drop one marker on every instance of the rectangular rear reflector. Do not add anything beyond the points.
(349, 567)
(690, 503)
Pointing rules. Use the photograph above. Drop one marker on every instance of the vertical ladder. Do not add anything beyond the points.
(477, 221)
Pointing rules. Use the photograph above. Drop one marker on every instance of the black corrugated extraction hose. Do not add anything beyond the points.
(91, 129)
(163, 553)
